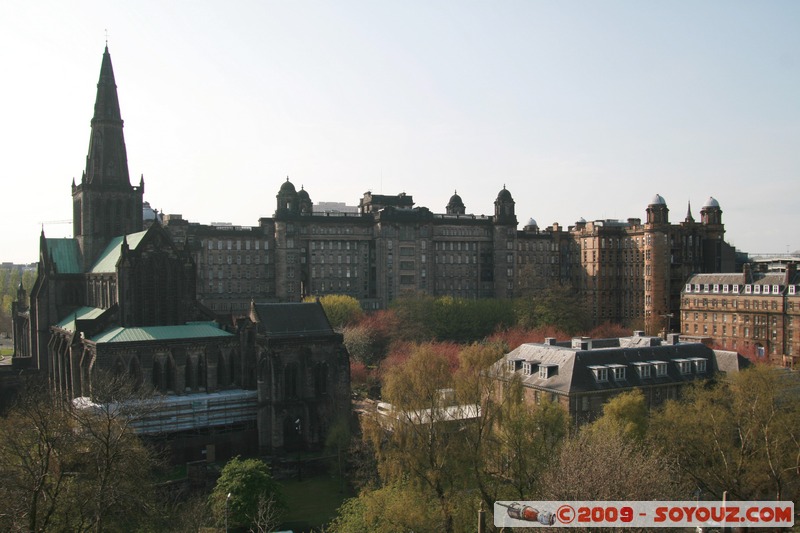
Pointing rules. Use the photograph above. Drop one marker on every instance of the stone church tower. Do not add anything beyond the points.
(105, 205)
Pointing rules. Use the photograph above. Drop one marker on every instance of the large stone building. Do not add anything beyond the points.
(755, 312)
(583, 374)
(120, 299)
(630, 272)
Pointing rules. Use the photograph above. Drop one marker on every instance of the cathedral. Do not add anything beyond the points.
(119, 298)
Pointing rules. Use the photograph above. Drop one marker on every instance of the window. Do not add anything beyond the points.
(600, 373)
(618, 372)
(776, 289)
(660, 368)
(642, 369)
(748, 289)
(527, 368)
(684, 366)
(791, 290)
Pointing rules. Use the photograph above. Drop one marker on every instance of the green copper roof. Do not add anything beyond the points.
(82, 313)
(107, 262)
(64, 253)
(161, 333)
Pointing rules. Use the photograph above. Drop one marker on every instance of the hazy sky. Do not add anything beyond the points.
(580, 108)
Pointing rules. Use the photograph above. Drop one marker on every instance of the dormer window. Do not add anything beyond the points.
(735, 289)
(688, 287)
(748, 289)
(716, 288)
(776, 289)
(600, 373)
(617, 372)
(642, 369)
(547, 371)
(660, 368)
(684, 366)
(791, 290)
(706, 287)
(697, 287)
(526, 368)
(725, 289)
(699, 364)
(756, 289)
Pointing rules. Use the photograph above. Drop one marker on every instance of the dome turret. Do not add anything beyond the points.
(288, 199)
(456, 205)
(657, 211)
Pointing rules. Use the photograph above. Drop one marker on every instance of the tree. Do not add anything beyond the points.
(605, 465)
(341, 310)
(562, 306)
(73, 469)
(115, 463)
(417, 447)
(35, 440)
(251, 488)
(741, 435)
(626, 412)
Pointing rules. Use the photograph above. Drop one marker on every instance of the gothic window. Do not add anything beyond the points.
(290, 375)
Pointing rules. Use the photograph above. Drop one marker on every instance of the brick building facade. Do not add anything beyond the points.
(756, 312)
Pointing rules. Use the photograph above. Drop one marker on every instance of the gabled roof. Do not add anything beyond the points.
(64, 253)
(107, 262)
(161, 333)
(292, 319)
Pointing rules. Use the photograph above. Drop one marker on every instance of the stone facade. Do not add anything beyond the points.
(756, 312)
(582, 374)
(119, 298)
(629, 272)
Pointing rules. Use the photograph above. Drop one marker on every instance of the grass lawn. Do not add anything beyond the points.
(312, 502)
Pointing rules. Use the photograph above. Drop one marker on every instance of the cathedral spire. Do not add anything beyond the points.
(689, 217)
(107, 161)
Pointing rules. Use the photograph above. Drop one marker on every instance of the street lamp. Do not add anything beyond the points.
(226, 511)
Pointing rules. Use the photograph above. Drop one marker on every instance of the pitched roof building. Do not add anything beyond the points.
(120, 298)
(583, 374)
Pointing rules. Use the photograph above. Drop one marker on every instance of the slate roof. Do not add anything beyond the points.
(64, 253)
(574, 374)
(161, 333)
(292, 319)
(757, 278)
(107, 262)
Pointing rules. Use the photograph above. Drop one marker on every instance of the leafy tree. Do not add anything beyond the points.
(414, 315)
(250, 484)
(626, 412)
(341, 310)
(418, 448)
(741, 435)
(562, 306)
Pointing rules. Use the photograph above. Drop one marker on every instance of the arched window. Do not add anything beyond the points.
(290, 375)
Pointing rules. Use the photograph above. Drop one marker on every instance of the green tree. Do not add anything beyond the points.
(627, 412)
(741, 435)
(562, 306)
(342, 310)
(249, 484)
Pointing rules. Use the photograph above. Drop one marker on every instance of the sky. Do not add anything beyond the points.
(581, 109)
